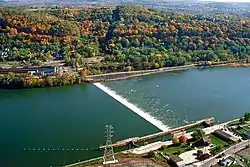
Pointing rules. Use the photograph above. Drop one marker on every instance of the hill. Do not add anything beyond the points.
(128, 37)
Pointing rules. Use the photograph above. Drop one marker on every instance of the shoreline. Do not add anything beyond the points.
(130, 74)
(98, 160)
(140, 112)
(125, 75)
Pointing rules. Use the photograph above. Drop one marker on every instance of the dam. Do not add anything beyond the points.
(133, 107)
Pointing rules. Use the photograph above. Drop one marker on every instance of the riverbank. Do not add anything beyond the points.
(130, 74)
(233, 65)
(21, 81)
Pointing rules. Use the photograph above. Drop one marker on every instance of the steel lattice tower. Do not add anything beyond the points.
(109, 156)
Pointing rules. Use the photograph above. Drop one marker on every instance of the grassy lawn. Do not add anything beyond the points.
(234, 165)
(235, 123)
(177, 149)
(217, 141)
(247, 162)
(245, 129)
(194, 128)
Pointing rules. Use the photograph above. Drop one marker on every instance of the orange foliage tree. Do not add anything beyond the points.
(183, 139)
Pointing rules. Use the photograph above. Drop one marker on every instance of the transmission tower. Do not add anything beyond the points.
(109, 157)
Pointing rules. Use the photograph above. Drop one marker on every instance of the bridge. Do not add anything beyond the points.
(207, 122)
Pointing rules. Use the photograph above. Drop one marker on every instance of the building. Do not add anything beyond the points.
(246, 135)
(225, 136)
(209, 122)
(35, 70)
(205, 141)
(177, 161)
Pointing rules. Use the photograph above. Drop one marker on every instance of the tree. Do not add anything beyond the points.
(242, 120)
(164, 147)
(83, 73)
(151, 154)
(183, 139)
(247, 116)
(199, 153)
(128, 68)
(217, 149)
(156, 65)
(175, 140)
(198, 134)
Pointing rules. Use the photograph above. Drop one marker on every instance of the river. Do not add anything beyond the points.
(70, 117)
(73, 117)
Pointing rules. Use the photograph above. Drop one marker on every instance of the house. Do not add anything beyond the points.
(177, 161)
(205, 141)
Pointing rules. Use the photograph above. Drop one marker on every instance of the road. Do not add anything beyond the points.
(231, 150)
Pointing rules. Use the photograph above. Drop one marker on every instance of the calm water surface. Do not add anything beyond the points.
(63, 117)
(183, 96)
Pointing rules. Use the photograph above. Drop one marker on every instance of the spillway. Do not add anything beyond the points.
(132, 107)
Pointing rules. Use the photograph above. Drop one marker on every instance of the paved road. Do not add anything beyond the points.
(231, 150)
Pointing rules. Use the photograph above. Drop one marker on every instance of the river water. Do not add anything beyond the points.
(179, 97)
(73, 117)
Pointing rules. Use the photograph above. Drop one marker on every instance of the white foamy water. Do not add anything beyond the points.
(132, 107)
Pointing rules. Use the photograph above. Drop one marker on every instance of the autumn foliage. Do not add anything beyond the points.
(183, 139)
(175, 140)
(127, 36)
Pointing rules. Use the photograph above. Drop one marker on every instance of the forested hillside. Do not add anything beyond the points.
(128, 37)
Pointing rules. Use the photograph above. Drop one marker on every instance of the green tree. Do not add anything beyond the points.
(247, 116)
(242, 120)
(128, 68)
(198, 134)
(156, 65)
(151, 154)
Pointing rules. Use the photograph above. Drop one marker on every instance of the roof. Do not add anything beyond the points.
(222, 133)
(230, 158)
(206, 139)
(23, 70)
(176, 158)
(234, 139)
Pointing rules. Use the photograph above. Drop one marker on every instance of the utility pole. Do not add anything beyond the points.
(109, 156)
